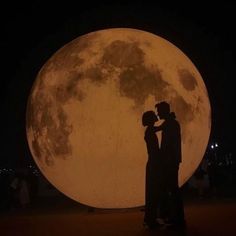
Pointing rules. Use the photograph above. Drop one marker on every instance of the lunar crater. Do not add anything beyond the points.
(187, 79)
(123, 54)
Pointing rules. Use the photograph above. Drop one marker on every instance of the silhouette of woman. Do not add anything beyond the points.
(153, 170)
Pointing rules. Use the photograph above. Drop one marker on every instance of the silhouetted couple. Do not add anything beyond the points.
(162, 193)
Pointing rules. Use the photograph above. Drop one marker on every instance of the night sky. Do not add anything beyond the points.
(32, 32)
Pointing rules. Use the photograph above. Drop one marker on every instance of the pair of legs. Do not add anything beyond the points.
(172, 204)
(152, 194)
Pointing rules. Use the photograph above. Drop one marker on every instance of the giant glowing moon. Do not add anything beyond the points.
(84, 114)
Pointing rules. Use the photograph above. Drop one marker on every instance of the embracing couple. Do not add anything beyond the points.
(162, 194)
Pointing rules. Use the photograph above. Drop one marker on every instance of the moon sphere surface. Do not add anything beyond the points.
(83, 120)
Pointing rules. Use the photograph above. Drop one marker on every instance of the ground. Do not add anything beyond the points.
(204, 217)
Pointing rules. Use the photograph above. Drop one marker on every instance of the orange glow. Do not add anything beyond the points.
(84, 114)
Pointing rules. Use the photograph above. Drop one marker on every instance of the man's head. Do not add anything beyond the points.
(163, 109)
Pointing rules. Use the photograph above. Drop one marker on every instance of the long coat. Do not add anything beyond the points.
(170, 150)
(153, 176)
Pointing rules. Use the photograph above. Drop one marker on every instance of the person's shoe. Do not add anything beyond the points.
(161, 221)
(180, 225)
(152, 226)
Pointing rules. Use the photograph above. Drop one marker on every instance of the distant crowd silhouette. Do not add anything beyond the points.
(18, 190)
(162, 194)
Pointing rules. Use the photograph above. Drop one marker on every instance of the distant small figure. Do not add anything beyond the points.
(20, 191)
(24, 194)
(213, 173)
(33, 184)
(199, 179)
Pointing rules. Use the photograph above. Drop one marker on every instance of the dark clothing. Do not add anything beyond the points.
(171, 157)
(171, 142)
(152, 143)
(153, 176)
(176, 208)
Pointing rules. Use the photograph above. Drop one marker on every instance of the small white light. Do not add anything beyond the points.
(216, 145)
(212, 146)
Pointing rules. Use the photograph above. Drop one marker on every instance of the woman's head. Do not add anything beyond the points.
(149, 118)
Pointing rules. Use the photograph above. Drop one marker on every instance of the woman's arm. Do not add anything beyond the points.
(160, 127)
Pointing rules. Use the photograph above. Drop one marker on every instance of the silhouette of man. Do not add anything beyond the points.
(153, 171)
(171, 157)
